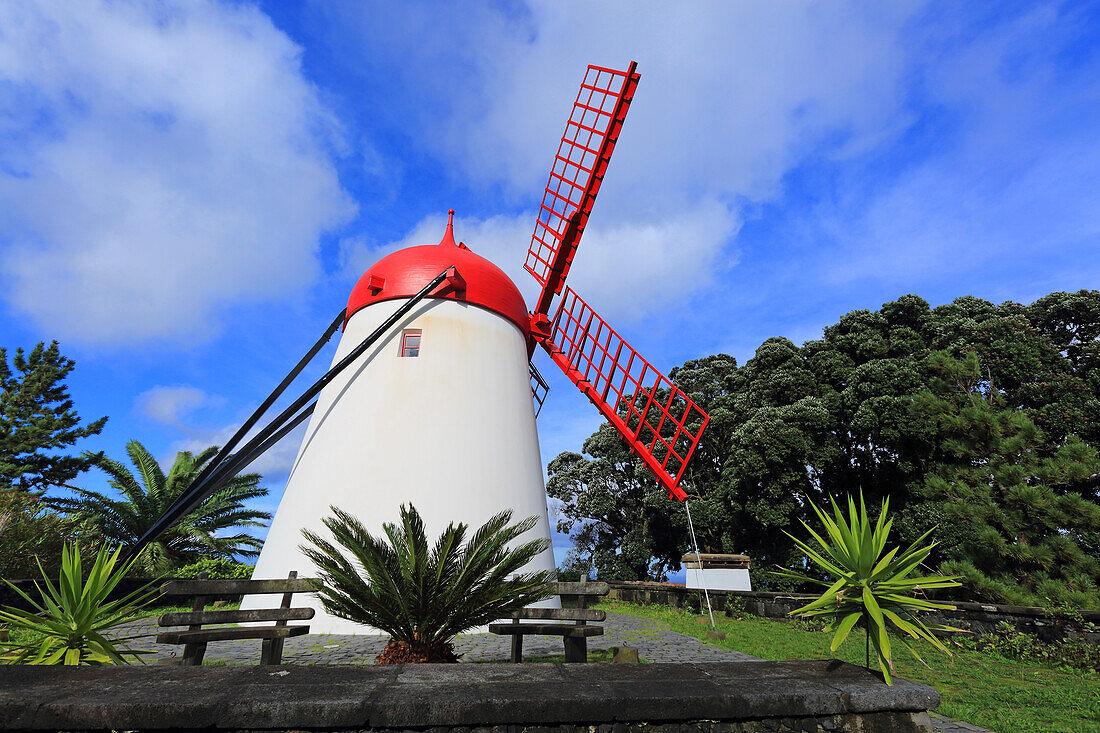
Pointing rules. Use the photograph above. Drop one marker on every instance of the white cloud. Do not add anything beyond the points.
(732, 98)
(732, 95)
(168, 405)
(625, 270)
(275, 464)
(1014, 188)
(157, 162)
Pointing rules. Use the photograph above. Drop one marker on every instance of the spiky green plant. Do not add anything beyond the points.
(69, 624)
(866, 585)
(423, 596)
(148, 495)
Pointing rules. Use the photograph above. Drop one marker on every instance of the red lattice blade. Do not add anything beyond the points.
(579, 167)
(659, 422)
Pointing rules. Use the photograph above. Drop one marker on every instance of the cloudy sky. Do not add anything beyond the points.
(188, 191)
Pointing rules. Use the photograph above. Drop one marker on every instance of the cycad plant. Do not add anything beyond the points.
(148, 495)
(70, 622)
(866, 585)
(423, 596)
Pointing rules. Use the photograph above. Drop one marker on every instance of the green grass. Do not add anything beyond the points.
(984, 689)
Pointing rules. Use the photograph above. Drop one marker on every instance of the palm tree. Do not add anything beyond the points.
(423, 597)
(123, 520)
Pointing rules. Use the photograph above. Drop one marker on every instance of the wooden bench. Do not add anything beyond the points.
(574, 635)
(195, 638)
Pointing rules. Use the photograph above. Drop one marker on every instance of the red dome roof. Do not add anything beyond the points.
(403, 274)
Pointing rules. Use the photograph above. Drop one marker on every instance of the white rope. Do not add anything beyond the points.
(699, 562)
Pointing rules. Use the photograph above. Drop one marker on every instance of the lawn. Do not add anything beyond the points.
(984, 689)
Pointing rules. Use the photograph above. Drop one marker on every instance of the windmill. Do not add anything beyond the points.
(432, 395)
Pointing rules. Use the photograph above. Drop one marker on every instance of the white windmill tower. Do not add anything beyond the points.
(429, 399)
(437, 413)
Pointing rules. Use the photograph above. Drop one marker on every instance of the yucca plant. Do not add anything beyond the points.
(866, 585)
(69, 625)
(423, 596)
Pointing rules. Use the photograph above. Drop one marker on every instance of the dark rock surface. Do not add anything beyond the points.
(422, 696)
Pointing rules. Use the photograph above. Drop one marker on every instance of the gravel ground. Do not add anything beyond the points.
(654, 640)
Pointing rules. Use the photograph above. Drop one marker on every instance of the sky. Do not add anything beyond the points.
(189, 190)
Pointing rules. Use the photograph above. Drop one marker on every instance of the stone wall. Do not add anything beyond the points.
(715, 697)
(979, 618)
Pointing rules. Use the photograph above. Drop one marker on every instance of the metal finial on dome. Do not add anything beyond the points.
(449, 235)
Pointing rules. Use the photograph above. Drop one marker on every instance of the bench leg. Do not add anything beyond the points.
(193, 654)
(517, 648)
(576, 649)
(272, 651)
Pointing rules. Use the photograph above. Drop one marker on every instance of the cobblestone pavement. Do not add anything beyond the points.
(655, 642)
(653, 638)
(946, 725)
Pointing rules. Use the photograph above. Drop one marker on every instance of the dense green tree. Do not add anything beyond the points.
(37, 421)
(837, 415)
(148, 495)
(1017, 514)
(623, 526)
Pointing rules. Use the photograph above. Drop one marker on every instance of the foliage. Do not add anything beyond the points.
(73, 617)
(37, 420)
(983, 688)
(147, 496)
(1019, 511)
(216, 567)
(634, 537)
(846, 410)
(866, 584)
(31, 533)
(423, 596)
(1008, 642)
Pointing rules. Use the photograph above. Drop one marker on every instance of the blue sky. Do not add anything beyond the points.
(189, 191)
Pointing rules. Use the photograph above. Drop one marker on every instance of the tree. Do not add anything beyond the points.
(37, 420)
(147, 496)
(1022, 520)
(622, 523)
(424, 596)
(32, 534)
(836, 415)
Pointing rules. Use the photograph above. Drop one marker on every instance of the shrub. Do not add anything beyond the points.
(216, 567)
(31, 533)
(424, 596)
(1008, 642)
(865, 585)
(68, 626)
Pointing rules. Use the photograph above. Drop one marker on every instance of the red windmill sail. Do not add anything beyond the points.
(660, 423)
(579, 167)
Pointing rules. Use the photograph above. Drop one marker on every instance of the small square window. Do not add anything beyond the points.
(410, 343)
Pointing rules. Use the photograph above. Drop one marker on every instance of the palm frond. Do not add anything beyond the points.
(425, 592)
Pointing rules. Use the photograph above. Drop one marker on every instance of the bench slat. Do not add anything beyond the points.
(239, 587)
(546, 629)
(201, 636)
(562, 614)
(582, 589)
(236, 617)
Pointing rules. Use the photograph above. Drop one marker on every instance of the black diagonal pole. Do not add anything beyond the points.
(230, 444)
(200, 491)
(252, 450)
